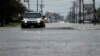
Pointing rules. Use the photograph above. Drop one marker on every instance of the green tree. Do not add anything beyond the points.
(98, 12)
(10, 9)
(57, 16)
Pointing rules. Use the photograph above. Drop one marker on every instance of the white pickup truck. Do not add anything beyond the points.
(32, 19)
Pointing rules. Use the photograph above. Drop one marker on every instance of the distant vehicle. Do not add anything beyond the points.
(87, 21)
(61, 21)
(32, 19)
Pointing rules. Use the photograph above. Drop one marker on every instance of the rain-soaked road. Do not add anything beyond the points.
(54, 40)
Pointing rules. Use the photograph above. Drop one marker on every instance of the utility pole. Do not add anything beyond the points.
(41, 6)
(79, 11)
(76, 6)
(74, 13)
(28, 1)
(37, 5)
(94, 12)
(71, 14)
(29, 4)
(83, 10)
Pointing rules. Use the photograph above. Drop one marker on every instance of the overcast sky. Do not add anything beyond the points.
(59, 6)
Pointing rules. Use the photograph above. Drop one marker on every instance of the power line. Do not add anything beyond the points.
(50, 1)
(49, 4)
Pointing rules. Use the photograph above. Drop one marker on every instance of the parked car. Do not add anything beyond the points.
(32, 19)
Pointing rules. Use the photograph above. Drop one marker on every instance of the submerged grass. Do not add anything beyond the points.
(11, 25)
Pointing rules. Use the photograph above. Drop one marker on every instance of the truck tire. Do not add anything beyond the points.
(42, 24)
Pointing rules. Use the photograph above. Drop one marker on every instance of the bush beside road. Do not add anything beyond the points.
(12, 25)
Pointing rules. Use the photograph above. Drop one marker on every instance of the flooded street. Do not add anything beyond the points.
(54, 40)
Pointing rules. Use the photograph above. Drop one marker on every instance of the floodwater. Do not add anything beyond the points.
(49, 41)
